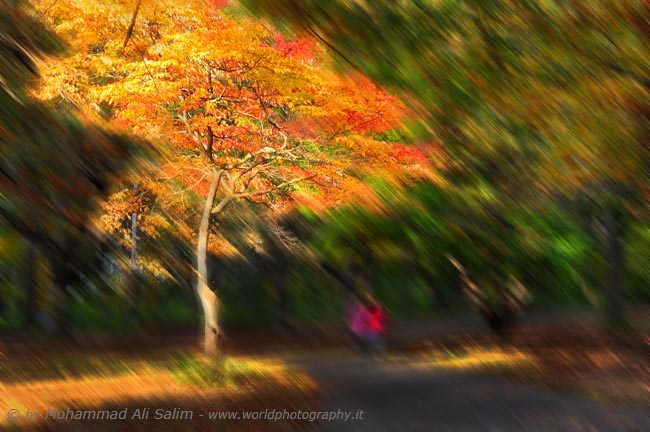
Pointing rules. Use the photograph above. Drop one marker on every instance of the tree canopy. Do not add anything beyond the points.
(531, 100)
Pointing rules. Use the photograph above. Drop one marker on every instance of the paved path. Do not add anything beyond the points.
(395, 397)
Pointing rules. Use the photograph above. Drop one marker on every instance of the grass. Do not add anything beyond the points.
(227, 371)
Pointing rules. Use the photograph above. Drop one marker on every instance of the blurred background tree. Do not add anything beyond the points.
(533, 102)
(54, 169)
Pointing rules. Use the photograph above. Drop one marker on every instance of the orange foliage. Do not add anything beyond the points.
(191, 74)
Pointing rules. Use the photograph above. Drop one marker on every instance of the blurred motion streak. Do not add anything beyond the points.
(343, 201)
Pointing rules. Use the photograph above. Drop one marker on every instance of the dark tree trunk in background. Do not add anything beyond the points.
(29, 286)
(437, 287)
(132, 294)
(61, 276)
(281, 281)
(616, 267)
(134, 235)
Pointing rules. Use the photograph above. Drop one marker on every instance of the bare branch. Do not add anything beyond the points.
(47, 10)
(129, 31)
(228, 182)
(210, 89)
(272, 189)
(146, 66)
(208, 147)
(193, 185)
(223, 91)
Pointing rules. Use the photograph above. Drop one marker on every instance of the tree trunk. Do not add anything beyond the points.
(132, 281)
(29, 286)
(281, 282)
(437, 288)
(61, 276)
(616, 262)
(134, 234)
(208, 298)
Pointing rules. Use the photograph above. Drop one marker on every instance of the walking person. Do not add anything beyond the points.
(375, 321)
(356, 317)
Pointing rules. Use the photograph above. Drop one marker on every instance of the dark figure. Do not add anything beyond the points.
(509, 307)
(355, 315)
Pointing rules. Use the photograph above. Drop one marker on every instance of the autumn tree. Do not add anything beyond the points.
(242, 112)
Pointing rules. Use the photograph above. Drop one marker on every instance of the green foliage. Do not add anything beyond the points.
(531, 101)
(638, 247)
(403, 251)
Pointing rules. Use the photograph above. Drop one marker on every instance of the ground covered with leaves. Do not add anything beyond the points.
(264, 372)
(169, 382)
